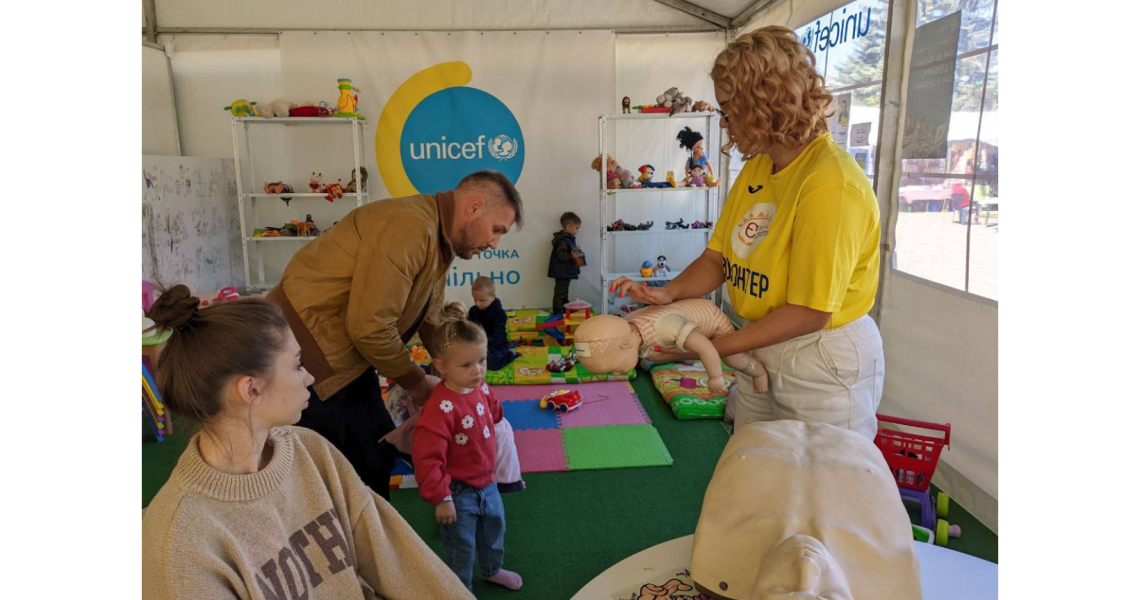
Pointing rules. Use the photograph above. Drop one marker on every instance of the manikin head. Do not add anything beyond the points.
(800, 568)
(607, 344)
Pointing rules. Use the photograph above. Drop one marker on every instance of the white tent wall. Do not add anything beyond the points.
(159, 122)
(422, 15)
(647, 65)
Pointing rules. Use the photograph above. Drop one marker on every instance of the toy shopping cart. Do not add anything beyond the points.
(912, 458)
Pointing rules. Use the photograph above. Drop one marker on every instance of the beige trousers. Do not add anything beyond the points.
(832, 376)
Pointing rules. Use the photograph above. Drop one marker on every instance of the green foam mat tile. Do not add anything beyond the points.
(615, 447)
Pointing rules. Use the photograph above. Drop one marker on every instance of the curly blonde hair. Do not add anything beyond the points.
(775, 97)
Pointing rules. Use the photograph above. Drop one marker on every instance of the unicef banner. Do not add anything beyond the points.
(441, 106)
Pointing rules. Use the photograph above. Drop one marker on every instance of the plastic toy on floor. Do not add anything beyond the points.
(913, 458)
(561, 400)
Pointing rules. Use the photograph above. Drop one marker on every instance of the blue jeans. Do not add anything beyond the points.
(479, 520)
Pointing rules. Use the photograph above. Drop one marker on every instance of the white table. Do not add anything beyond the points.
(946, 574)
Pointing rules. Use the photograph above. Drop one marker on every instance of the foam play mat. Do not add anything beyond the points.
(610, 430)
(530, 369)
(685, 389)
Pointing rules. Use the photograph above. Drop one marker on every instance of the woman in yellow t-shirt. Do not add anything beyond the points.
(797, 244)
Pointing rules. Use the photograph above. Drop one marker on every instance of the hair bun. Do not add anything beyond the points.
(455, 311)
(174, 308)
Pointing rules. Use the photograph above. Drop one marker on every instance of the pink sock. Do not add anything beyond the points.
(507, 579)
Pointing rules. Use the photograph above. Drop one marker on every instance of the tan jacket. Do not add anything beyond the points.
(355, 295)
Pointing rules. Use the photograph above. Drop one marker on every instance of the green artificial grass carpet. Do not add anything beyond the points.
(568, 527)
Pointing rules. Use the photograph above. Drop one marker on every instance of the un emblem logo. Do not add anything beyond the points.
(503, 147)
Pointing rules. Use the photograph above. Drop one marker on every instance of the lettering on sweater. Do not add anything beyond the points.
(294, 570)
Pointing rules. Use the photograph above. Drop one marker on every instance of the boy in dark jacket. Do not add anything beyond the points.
(488, 313)
(564, 259)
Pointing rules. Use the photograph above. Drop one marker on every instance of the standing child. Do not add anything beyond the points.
(488, 312)
(454, 456)
(564, 260)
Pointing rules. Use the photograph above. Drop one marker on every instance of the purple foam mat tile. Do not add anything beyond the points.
(508, 393)
(611, 403)
(541, 450)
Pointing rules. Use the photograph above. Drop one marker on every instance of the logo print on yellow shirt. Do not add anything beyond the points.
(753, 228)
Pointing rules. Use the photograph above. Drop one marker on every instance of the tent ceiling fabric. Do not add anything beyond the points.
(259, 15)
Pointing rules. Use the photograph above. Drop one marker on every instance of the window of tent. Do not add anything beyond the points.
(947, 228)
(849, 44)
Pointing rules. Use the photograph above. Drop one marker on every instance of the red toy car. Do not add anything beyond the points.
(563, 400)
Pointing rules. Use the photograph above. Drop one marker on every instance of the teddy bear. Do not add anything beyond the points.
(701, 106)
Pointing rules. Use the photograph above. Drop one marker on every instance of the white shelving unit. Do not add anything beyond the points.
(608, 198)
(240, 127)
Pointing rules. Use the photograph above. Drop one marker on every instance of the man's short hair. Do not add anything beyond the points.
(483, 284)
(568, 218)
(496, 183)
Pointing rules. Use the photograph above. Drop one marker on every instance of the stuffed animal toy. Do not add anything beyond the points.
(279, 188)
(696, 178)
(351, 187)
(646, 178)
(241, 108)
(315, 183)
(681, 104)
(616, 177)
(279, 108)
(335, 190)
(702, 106)
(661, 269)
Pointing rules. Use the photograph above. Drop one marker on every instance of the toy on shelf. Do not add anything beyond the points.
(241, 108)
(620, 225)
(701, 225)
(315, 182)
(625, 105)
(702, 106)
(308, 228)
(348, 103)
(694, 142)
(695, 178)
(678, 224)
(647, 269)
(913, 459)
(335, 190)
(279, 188)
(561, 400)
(351, 188)
(616, 177)
(646, 178)
(661, 269)
(311, 109)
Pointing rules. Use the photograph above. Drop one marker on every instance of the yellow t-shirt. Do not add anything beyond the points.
(808, 235)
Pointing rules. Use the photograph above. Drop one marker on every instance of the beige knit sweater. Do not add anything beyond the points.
(305, 526)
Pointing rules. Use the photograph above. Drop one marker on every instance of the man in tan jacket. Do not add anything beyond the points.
(358, 293)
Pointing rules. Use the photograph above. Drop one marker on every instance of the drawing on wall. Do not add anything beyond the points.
(190, 226)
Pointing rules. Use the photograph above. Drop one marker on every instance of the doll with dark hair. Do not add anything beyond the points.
(694, 142)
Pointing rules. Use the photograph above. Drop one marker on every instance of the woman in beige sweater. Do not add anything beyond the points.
(255, 508)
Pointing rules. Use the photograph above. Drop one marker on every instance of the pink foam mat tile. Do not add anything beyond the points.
(508, 393)
(541, 450)
(612, 403)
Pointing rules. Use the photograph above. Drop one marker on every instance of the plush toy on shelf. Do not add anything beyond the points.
(351, 187)
(625, 105)
(315, 182)
(694, 142)
(696, 178)
(335, 190)
(616, 177)
(661, 269)
(646, 178)
(241, 108)
(277, 187)
(311, 108)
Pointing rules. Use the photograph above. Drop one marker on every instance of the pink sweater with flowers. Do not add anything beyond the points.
(455, 439)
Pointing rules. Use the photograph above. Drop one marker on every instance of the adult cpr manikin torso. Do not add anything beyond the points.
(803, 511)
